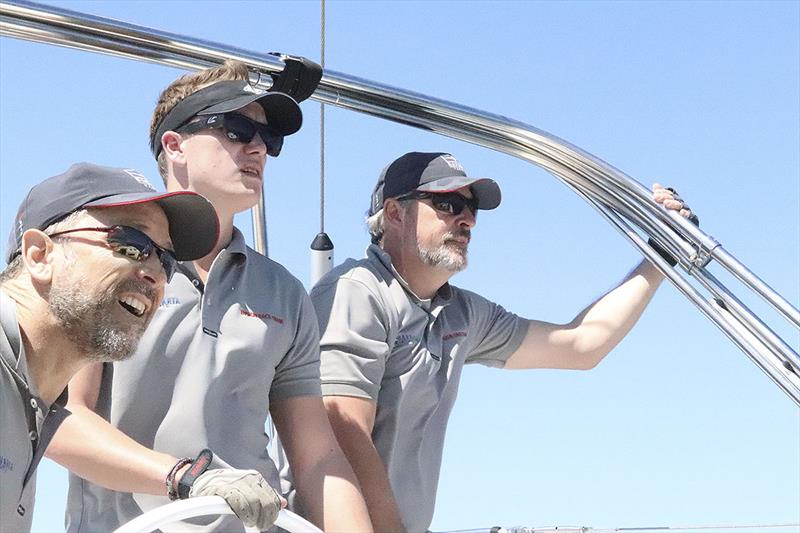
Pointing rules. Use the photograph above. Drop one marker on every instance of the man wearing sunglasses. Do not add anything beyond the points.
(395, 334)
(88, 256)
(235, 339)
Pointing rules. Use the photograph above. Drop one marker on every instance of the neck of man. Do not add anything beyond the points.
(52, 359)
(424, 280)
(203, 265)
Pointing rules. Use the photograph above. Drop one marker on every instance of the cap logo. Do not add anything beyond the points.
(251, 89)
(139, 177)
(452, 163)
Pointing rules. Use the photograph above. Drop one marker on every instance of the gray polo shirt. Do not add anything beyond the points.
(26, 425)
(204, 375)
(381, 342)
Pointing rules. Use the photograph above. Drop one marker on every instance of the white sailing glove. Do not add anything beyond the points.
(246, 491)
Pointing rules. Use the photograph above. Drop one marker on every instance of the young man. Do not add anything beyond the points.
(395, 334)
(88, 256)
(235, 337)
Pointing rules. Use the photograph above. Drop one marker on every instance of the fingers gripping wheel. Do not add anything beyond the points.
(299, 78)
(199, 466)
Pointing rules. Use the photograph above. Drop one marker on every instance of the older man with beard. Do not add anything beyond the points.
(396, 335)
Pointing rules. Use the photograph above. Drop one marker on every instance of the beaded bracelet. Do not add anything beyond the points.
(169, 481)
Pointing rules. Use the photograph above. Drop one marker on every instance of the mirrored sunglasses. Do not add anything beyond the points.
(239, 129)
(133, 244)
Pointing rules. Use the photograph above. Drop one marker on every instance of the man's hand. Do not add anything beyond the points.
(246, 491)
(670, 199)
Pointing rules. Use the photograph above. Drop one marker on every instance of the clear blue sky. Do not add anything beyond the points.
(676, 426)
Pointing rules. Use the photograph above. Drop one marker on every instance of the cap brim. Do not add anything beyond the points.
(193, 223)
(486, 190)
(281, 110)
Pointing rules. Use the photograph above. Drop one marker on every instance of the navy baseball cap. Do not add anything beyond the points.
(193, 223)
(281, 110)
(430, 172)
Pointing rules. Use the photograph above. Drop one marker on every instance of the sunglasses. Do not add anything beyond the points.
(450, 203)
(239, 129)
(133, 244)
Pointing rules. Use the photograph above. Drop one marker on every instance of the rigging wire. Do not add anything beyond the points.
(322, 123)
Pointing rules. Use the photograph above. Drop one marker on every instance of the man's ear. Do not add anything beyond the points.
(393, 213)
(37, 255)
(171, 144)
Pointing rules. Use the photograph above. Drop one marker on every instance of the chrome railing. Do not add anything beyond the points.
(621, 200)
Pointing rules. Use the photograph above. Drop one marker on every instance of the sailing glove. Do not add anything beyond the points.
(251, 498)
(246, 491)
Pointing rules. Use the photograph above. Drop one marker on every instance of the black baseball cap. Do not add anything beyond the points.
(430, 172)
(281, 110)
(193, 223)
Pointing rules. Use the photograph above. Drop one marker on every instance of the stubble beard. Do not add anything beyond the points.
(88, 319)
(449, 255)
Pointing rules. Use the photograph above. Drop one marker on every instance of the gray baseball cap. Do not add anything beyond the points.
(430, 172)
(193, 223)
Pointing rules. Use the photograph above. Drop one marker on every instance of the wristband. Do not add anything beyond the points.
(199, 465)
(662, 252)
(169, 481)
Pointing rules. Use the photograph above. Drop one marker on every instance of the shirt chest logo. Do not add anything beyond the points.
(454, 335)
(262, 316)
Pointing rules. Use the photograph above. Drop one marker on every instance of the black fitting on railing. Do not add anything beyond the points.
(299, 78)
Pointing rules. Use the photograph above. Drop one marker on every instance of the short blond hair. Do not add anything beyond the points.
(190, 84)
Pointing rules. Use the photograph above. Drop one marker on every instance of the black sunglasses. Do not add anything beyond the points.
(239, 129)
(133, 244)
(450, 203)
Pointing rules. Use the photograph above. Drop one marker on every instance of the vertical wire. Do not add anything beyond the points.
(322, 124)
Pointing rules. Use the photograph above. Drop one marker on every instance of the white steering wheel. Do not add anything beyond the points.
(203, 506)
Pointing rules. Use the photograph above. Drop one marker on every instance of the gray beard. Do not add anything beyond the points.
(89, 322)
(445, 256)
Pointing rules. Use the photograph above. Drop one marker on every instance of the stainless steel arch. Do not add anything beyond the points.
(619, 199)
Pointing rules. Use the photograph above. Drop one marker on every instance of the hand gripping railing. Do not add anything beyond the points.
(204, 506)
(622, 201)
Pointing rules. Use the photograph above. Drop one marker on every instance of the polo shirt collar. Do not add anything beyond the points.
(377, 254)
(9, 327)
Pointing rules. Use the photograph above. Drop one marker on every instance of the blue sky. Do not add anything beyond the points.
(676, 426)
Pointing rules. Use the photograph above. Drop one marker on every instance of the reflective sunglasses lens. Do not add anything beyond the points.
(239, 129)
(274, 141)
(130, 242)
(168, 262)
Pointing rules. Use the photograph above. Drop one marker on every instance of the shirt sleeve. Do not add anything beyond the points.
(297, 374)
(500, 332)
(353, 344)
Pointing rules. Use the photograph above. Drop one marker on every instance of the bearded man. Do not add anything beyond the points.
(395, 334)
(88, 256)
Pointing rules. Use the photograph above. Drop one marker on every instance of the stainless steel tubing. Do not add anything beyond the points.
(617, 197)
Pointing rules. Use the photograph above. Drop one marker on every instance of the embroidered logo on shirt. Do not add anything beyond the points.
(169, 302)
(405, 338)
(453, 335)
(6, 465)
(264, 316)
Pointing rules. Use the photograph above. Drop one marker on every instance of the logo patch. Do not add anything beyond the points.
(263, 316)
(6, 465)
(139, 177)
(169, 302)
(453, 335)
(452, 162)
(253, 90)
